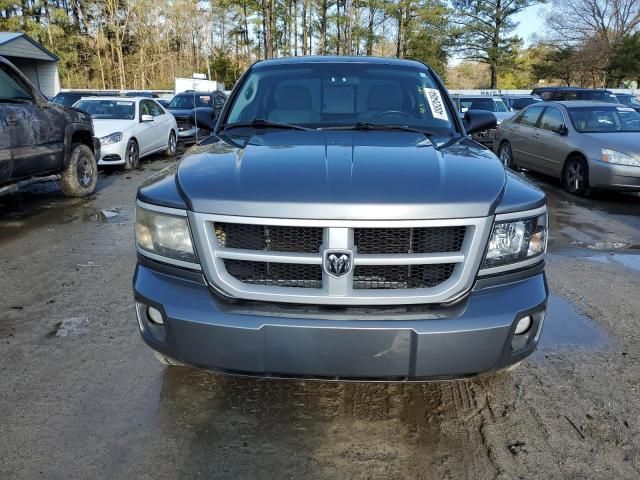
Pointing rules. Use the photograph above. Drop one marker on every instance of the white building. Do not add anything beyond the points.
(36, 62)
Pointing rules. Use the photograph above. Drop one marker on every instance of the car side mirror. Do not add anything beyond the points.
(146, 118)
(203, 117)
(478, 120)
(561, 130)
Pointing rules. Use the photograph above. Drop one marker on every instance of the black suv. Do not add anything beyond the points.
(39, 138)
(575, 93)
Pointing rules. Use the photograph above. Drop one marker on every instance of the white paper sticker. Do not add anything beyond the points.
(435, 103)
(125, 104)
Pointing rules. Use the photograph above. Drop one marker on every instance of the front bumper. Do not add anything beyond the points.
(618, 177)
(113, 154)
(422, 342)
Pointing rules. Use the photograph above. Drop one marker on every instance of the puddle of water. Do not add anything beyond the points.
(625, 259)
(566, 326)
(111, 215)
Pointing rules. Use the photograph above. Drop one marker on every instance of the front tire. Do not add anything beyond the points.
(575, 177)
(172, 145)
(132, 155)
(505, 154)
(81, 175)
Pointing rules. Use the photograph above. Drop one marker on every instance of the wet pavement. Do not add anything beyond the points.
(82, 397)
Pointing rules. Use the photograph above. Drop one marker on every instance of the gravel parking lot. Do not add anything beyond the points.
(82, 397)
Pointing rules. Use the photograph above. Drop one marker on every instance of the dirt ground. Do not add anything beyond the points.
(81, 396)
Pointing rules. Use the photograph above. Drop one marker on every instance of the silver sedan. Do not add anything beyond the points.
(585, 144)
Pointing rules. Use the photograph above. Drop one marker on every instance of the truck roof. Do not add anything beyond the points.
(338, 59)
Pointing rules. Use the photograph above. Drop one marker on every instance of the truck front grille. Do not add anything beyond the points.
(404, 262)
(370, 277)
(272, 238)
(409, 240)
(275, 274)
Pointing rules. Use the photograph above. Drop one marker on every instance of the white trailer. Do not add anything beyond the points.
(200, 85)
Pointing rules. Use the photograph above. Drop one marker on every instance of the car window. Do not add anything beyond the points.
(499, 105)
(520, 103)
(552, 119)
(108, 109)
(529, 117)
(324, 95)
(605, 119)
(12, 88)
(219, 100)
(144, 108)
(154, 108)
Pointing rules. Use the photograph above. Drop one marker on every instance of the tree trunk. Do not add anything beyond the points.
(323, 27)
(305, 30)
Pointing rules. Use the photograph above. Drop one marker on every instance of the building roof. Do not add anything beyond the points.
(18, 44)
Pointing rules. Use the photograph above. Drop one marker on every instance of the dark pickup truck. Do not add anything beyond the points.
(39, 138)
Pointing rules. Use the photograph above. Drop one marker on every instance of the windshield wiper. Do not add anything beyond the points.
(16, 100)
(262, 123)
(375, 126)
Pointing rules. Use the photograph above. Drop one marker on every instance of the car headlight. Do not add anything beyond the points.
(164, 235)
(111, 138)
(619, 158)
(514, 243)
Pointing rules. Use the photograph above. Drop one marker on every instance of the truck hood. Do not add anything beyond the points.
(341, 175)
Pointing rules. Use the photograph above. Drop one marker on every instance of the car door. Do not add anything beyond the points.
(146, 131)
(33, 128)
(162, 125)
(5, 152)
(519, 133)
(551, 141)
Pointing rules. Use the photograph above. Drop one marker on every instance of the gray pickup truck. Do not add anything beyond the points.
(39, 139)
(341, 224)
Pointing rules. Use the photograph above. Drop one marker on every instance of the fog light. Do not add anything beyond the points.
(524, 324)
(156, 317)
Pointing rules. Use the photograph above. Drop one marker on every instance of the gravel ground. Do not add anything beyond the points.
(82, 397)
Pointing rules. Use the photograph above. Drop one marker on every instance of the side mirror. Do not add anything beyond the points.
(146, 118)
(561, 130)
(478, 120)
(204, 117)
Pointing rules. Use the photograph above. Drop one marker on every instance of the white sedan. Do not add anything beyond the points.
(130, 128)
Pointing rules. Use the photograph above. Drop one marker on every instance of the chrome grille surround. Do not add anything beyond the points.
(339, 235)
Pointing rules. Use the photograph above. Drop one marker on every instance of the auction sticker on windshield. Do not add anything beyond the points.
(435, 103)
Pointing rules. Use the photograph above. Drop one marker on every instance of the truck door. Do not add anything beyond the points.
(34, 130)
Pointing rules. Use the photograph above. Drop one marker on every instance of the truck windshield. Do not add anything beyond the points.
(326, 95)
(190, 101)
(108, 109)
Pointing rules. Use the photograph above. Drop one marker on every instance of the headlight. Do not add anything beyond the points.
(619, 158)
(111, 138)
(164, 235)
(515, 241)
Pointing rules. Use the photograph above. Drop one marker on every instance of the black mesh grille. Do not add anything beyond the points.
(409, 240)
(275, 274)
(368, 277)
(269, 238)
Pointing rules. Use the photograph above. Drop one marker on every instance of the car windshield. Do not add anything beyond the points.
(605, 119)
(65, 99)
(108, 109)
(488, 104)
(520, 103)
(189, 101)
(629, 100)
(590, 95)
(343, 95)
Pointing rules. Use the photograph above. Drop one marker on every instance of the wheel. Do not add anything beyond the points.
(132, 156)
(506, 155)
(575, 176)
(165, 360)
(81, 175)
(171, 145)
